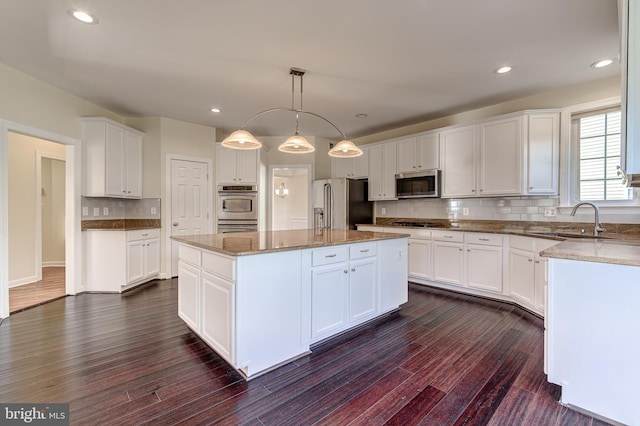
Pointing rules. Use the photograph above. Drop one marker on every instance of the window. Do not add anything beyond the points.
(599, 157)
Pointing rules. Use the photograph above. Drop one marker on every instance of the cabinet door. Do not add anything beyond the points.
(114, 171)
(459, 162)
(428, 152)
(247, 164)
(363, 287)
(133, 162)
(420, 259)
(189, 295)
(540, 278)
(342, 167)
(542, 149)
(152, 257)
(407, 155)
(388, 183)
(226, 165)
(329, 299)
(218, 314)
(448, 262)
(135, 260)
(375, 173)
(501, 157)
(521, 276)
(484, 267)
(361, 165)
(394, 288)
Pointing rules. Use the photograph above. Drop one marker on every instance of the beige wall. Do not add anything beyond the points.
(319, 159)
(22, 203)
(53, 200)
(295, 205)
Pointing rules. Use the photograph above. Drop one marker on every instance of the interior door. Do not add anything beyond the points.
(189, 202)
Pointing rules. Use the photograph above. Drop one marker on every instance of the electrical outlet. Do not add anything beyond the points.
(383, 211)
(153, 210)
(85, 211)
(96, 211)
(550, 212)
(465, 211)
(105, 211)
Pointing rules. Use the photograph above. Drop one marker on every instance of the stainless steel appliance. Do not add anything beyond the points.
(237, 208)
(341, 203)
(424, 184)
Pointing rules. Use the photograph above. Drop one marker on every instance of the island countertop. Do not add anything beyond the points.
(248, 243)
(597, 250)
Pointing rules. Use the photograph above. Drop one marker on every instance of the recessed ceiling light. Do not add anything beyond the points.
(215, 110)
(361, 115)
(84, 17)
(602, 63)
(503, 70)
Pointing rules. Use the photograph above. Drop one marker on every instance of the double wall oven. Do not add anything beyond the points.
(237, 208)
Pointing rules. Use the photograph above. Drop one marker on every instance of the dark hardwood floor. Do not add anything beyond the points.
(443, 359)
(51, 287)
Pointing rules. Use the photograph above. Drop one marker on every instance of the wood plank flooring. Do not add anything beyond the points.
(443, 359)
(51, 287)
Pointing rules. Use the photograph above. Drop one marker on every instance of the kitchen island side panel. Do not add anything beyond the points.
(594, 336)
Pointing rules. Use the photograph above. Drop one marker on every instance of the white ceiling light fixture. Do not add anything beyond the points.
(503, 70)
(83, 17)
(215, 110)
(296, 144)
(602, 63)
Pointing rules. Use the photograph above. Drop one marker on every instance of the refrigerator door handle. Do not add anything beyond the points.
(328, 206)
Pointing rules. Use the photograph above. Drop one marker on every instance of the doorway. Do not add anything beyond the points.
(290, 189)
(69, 150)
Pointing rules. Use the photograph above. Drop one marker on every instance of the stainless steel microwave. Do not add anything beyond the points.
(425, 184)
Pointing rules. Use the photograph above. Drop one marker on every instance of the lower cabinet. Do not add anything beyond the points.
(448, 261)
(218, 318)
(143, 255)
(420, 258)
(522, 276)
(484, 267)
(329, 299)
(189, 295)
(362, 289)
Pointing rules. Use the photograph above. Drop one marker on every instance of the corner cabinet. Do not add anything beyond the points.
(112, 159)
(235, 166)
(516, 154)
(382, 172)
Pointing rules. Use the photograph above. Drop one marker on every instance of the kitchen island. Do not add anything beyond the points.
(593, 325)
(261, 299)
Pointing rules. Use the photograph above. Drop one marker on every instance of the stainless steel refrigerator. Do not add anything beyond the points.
(341, 203)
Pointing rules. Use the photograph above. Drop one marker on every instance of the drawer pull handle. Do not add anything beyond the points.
(346, 271)
(483, 239)
(364, 251)
(353, 269)
(330, 255)
(144, 235)
(448, 236)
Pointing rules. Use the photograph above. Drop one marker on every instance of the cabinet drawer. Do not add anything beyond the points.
(521, 243)
(454, 237)
(363, 250)
(189, 254)
(220, 265)
(330, 255)
(422, 234)
(143, 234)
(485, 239)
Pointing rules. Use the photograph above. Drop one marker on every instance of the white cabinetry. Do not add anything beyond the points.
(382, 172)
(112, 159)
(354, 168)
(420, 258)
(190, 287)
(484, 261)
(392, 269)
(511, 155)
(419, 153)
(630, 55)
(448, 257)
(218, 313)
(236, 166)
(143, 254)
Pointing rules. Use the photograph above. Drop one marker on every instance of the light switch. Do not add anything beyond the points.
(85, 211)
(153, 210)
(465, 211)
(96, 211)
(105, 211)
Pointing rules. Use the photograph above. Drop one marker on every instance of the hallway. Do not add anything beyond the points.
(50, 288)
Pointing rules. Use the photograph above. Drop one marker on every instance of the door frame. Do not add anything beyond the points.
(73, 185)
(166, 211)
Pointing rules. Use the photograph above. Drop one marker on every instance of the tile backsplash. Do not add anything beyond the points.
(114, 208)
(505, 208)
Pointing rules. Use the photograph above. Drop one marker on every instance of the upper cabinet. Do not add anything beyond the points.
(235, 166)
(112, 159)
(382, 172)
(353, 168)
(630, 55)
(511, 155)
(418, 153)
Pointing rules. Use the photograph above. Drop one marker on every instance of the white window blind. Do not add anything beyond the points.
(599, 146)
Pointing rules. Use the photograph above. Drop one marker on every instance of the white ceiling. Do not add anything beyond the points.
(400, 62)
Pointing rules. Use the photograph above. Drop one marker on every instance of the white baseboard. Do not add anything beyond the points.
(23, 281)
(56, 263)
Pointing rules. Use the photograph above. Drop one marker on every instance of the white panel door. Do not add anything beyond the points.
(189, 202)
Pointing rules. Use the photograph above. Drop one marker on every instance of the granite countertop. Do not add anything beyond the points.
(247, 243)
(597, 250)
(119, 224)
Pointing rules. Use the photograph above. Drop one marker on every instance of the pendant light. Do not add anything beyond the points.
(296, 144)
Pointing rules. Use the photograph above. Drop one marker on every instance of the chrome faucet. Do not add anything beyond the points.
(598, 226)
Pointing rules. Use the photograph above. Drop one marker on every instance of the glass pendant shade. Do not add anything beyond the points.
(345, 149)
(296, 144)
(241, 139)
